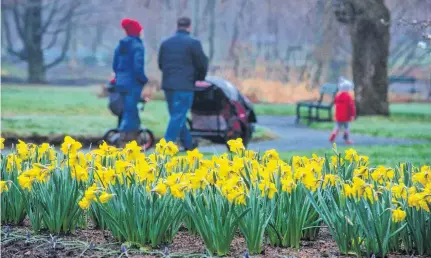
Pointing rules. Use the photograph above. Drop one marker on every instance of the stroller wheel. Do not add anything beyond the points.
(111, 136)
(146, 139)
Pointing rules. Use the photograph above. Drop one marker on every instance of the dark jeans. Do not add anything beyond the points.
(130, 121)
(179, 104)
(119, 121)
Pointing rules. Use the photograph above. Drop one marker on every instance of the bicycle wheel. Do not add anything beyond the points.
(111, 136)
(146, 139)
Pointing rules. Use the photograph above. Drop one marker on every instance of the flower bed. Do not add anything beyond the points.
(144, 199)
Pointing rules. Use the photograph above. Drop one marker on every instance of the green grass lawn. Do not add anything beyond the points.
(76, 111)
(418, 154)
(45, 110)
(66, 110)
(275, 109)
(409, 121)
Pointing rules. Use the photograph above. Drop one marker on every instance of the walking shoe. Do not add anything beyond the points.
(346, 139)
(195, 145)
(333, 135)
(332, 138)
(349, 142)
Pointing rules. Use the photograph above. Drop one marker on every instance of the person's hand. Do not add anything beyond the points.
(202, 84)
(146, 94)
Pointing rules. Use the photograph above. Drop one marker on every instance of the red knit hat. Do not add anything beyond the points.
(132, 27)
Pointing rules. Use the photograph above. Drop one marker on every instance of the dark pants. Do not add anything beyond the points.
(130, 121)
(119, 121)
(179, 104)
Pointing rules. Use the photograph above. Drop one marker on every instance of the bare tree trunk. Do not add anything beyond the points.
(196, 11)
(369, 22)
(370, 40)
(212, 28)
(233, 49)
(272, 23)
(98, 38)
(318, 74)
(35, 65)
(73, 61)
(30, 28)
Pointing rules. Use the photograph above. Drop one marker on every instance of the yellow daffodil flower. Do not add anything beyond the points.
(271, 155)
(351, 155)
(79, 173)
(70, 146)
(90, 193)
(84, 203)
(3, 186)
(288, 185)
(398, 215)
(236, 146)
(105, 197)
(23, 150)
(330, 180)
(13, 161)
(160, 189)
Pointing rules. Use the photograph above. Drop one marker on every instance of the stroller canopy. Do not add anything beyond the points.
(210, 99)
(227, 87)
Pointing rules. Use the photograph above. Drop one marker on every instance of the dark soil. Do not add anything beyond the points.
(87, 141)
(55, 139)
(57, 82)
(18, 242)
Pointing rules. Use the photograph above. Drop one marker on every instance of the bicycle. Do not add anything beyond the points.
(145, 137)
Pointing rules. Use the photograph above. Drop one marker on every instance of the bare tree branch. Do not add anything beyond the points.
(68, 19)
(51, 15)
(64, 49)
(422, 24)
(52, 43)
(412, 66)
(236, 28)
(400, 51)
(18, 23)
(8, 37)
(147, 4)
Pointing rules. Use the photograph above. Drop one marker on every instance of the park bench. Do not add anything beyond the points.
(327, 92)
(404, 80)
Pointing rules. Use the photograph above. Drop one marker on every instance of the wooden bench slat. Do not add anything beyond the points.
(327, 89)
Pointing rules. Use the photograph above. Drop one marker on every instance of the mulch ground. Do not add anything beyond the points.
(18, 242)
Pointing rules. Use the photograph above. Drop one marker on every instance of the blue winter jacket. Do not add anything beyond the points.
(128, 65)
(130, 78)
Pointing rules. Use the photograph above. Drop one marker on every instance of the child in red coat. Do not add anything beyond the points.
(345, 110)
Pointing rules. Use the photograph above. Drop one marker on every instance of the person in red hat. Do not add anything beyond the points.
(130, 78)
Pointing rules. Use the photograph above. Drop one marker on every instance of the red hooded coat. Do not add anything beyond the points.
(345, 109)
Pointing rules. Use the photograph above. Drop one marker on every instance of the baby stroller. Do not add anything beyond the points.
(220, 113)
(145, 138)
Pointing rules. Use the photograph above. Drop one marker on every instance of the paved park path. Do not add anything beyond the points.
(292, 137)
(299, 137)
